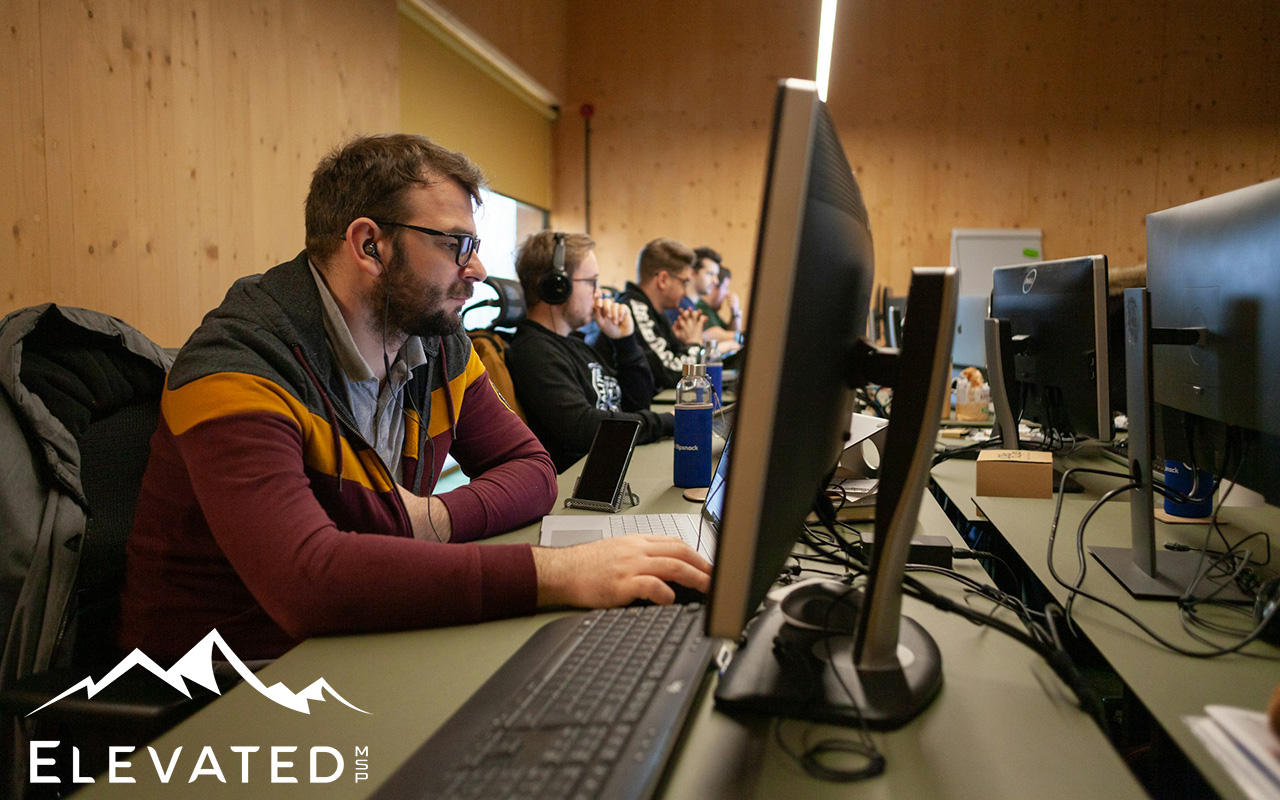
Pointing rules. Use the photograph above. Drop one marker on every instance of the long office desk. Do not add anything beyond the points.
(1171, 686)
(1003, 726)
(956, 478)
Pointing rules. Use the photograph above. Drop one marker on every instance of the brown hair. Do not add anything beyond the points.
(534, 261)
(662, 255)
(370, 176)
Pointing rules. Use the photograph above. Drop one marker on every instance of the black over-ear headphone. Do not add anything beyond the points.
(555, 287)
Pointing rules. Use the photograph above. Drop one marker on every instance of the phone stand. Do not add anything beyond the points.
(625, 499)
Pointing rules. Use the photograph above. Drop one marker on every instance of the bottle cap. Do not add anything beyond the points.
(695, 370)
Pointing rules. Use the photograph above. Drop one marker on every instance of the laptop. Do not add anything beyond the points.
(722, 420)
(699, 531)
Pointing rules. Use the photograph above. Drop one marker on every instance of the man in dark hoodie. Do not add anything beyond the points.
(664, 270)
(305, 423)
(564, 385)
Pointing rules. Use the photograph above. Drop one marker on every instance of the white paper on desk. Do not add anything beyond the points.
(1244, 745)
(862, 427)
(859, 490)
(1253, 734)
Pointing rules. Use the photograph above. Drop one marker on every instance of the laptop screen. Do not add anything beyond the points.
(714, 505)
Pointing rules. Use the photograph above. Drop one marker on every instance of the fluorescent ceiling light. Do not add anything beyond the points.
(827, 32)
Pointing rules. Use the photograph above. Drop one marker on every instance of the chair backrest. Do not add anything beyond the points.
(492, 349)
(491, 343)
(113, 455)
(512, 307)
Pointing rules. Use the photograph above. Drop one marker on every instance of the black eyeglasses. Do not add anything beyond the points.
(595, 282)
(468, 245)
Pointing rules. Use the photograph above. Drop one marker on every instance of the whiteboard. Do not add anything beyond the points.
(975, 251)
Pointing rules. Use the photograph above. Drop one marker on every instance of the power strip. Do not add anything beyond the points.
(935, 551)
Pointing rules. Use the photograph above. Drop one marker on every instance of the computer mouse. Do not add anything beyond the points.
(1267, 608)
(685, 595)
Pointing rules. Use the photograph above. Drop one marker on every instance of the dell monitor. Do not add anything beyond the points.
(1202, 356)
(1057, 314)
(809, 304)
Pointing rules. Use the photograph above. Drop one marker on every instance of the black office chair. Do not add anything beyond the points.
(491, 343)
(510, 303)
(86, 401)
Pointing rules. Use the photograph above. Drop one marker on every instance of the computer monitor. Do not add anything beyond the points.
(809, 304)
(1203, 358)
(1057, 313)
(1215, 263)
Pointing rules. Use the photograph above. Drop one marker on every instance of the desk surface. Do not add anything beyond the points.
(1170, 685)
(1003, 726)
(957, 477)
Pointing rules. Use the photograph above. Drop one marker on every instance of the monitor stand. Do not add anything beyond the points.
(1146, 573)
(1173, 573)
(804, 673)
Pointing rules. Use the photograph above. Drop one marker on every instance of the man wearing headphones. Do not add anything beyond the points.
(290, 488)
(564, 385)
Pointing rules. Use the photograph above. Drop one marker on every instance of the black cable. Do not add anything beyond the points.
(867, 746)
(1236, 554)
(957, 452)
(408, 395)
(811, 757)
(1179, 547)
(1057, 659)
(961, 553)
(999, 598)
(1074, 590)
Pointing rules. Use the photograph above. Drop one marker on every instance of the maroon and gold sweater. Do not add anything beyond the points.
(264, 514)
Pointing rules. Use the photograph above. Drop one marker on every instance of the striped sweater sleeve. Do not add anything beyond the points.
(258, 462)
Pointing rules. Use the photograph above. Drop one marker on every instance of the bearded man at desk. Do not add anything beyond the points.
(304, 426)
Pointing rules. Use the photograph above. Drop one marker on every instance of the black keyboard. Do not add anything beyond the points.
(590, 707)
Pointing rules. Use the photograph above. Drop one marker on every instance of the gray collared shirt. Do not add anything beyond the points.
(379, 411)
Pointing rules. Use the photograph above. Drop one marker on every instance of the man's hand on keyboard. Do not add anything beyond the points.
(615, 571)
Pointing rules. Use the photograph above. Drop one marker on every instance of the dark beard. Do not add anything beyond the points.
(405, 305)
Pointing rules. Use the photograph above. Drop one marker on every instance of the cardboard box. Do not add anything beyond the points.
(1015, 473)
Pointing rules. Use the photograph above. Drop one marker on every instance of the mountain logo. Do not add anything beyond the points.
(197, 666)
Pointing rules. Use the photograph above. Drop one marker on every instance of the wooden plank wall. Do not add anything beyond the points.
(683, 97)
(159, 149)
(156, 150)
(529, 32)
(1078, 118)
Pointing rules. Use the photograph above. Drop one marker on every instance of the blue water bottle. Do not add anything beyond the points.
(694, 401)
(1183, 479)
